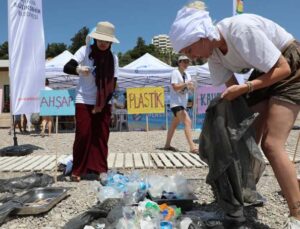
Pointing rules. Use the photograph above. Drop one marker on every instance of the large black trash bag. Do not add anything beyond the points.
(7, 208)
(6, 197)
(25, 182)
(100, 210)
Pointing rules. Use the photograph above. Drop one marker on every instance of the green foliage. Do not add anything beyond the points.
(55, 49)
(78, 40)
(4, 50)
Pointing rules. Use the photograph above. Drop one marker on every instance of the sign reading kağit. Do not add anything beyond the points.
(145, 100)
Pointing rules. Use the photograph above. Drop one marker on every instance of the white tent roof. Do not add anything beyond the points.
(202, 74)
(55, 74)
(145, 71)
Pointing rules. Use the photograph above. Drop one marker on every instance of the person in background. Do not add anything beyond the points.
(16, 123)
(96, 66)
(237, 44)
(47, 120)
(181, 83)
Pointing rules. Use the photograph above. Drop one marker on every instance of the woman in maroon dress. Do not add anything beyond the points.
(97, 68)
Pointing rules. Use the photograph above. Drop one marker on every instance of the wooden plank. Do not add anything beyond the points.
(52, 165)
(4, 160)
(32, 160)
(165, 160)
(138, 163)
(174, 160)
(9, 163)
(195, 162)
(39, 160)
(182, 159)
(147, 160)
(196, 156)
(9, 160)
(128, 161)
(14, 167)
(45, 163)
(27, 163)
(157, 161)
(111, 160)
(119, 163)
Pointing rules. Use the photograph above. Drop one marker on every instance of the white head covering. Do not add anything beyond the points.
(189, 26)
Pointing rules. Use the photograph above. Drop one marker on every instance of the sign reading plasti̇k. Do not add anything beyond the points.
(145, 100)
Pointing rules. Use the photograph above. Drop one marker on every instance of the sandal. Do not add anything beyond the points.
(75, 178)
(194, 151)
(171, 148)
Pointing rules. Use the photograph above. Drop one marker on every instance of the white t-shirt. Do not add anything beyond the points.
(252, 41)
(48, 88)
(86, 89)
(178, 98)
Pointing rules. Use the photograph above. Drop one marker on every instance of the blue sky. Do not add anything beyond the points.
(145, 18)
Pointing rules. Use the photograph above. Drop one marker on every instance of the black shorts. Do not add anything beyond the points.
(287, 89)
(176, 109)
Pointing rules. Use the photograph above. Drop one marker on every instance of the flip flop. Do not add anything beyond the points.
(194, 151)
(171, 148)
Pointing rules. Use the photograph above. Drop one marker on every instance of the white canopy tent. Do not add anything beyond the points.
(145, 71)
(55, 74)
(201, 73)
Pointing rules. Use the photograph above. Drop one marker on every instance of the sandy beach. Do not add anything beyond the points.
(272, 215)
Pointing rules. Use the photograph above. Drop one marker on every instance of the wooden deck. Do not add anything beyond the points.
(154, 160)
(118, 161)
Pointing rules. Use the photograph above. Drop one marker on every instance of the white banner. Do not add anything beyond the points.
(26, 54)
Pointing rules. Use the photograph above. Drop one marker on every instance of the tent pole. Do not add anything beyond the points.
(147, 123)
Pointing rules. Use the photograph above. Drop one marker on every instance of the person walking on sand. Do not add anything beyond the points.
(97, 67)
(237, 44)
(47, 120)
(181, 83)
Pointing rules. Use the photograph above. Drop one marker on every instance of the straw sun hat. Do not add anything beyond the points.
(105, 31)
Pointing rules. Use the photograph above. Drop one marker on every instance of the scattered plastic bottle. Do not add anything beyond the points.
(165, 225)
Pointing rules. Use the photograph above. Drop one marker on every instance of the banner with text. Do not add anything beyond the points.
(145, 100)
(205, 94)
(57, 102)
(26, 54)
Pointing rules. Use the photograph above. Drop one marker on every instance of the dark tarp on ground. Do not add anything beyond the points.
(20, 150)
(25, 182)
(100, 210)
(228, 145)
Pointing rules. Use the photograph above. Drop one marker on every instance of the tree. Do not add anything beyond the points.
(4, 50)
(55, 49)
(79, 39)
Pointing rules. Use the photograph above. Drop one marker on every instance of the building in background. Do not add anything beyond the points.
(4, 86)
(162, 42)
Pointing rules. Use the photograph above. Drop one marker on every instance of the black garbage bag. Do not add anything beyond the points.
(100, 210)
(7, 208)
(25, 182)
(20, 150)
(6, 197)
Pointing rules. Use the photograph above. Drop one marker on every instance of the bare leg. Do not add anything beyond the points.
(259, 123)
(49, 125)
(280, 120)
(44, 122)
(171, 131)
(185, 118)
